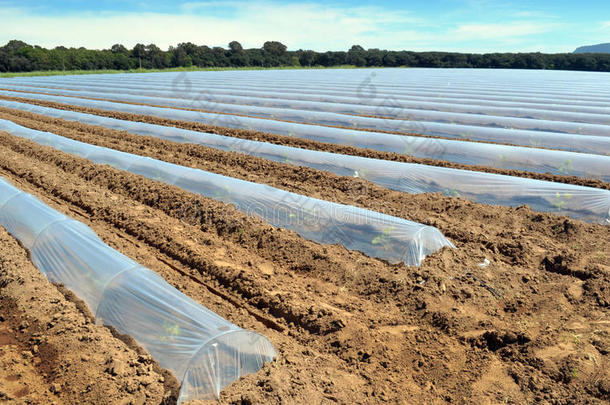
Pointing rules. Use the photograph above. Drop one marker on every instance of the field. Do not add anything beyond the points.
(144, 70)
(509, 171)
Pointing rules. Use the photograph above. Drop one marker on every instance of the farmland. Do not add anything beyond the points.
(398, 235)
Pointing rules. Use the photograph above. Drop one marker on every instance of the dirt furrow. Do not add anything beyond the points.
(448, 214)
(325, 306)
(355, 328)
(220, 113)
(313, 145)
(51, 351)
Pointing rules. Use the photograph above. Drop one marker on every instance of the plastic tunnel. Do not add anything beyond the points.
(414, 145)
(546, 90)
(203, 350)
(348, 103)
(500, 156)
(407, 120)
(579, 202)
(373, 233)
(343, 105)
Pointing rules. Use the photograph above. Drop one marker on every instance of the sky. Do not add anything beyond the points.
(428, 25)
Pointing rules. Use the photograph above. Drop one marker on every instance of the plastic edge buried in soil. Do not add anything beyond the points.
(203, 350)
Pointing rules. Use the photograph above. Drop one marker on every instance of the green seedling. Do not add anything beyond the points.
(171, 331)
(452, 192)
(361, 173)
(561, 200)
(566, 167)
(576, 339)
(383, 239)
(222, 194)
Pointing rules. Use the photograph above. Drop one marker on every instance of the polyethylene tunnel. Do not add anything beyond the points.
(372, 233)
(203, 350)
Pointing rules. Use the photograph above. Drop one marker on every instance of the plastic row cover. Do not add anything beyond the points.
(320, 102)
(204, 351)
(374, 85)
(411, 120)
(375, 234)
(501, 156)
(584, 203)
(396, 110)
(552, 86)
(208, 91)
(413, 145)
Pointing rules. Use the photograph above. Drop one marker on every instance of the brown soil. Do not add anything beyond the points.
(51, 351)
(307, 144)
(274, 119)
(531, 326)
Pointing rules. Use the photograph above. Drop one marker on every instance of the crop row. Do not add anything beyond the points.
(585, 203)
(203, 350)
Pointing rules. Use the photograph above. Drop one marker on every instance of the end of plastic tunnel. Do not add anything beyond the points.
(426, 241)
(203, 350)
(222, 361)
(200, 347)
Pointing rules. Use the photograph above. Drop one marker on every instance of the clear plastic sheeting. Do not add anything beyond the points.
(500, 156)
(373, 233)
(203, 350)
(408, 120)
(373, 85)
(584, 203)
(344, 104)
(412, 145)
(208, 92)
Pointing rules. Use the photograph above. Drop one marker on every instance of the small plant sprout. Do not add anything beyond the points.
(535, 142)
(560, 200)
(171, 331)
(566, 167)
(383, 238)
(451, 192)
(222, 194)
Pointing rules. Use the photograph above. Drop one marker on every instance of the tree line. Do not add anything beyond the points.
(17, 56)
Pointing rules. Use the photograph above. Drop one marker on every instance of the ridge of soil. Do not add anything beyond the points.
(532, 325)
(306, 143)
(51, 351)
(364, 129)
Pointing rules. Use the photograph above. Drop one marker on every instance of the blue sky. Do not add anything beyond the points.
(449, 25)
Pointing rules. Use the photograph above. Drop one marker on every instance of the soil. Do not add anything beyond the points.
(532, 325)
(51, 351)
(310, 144)
(273, 119)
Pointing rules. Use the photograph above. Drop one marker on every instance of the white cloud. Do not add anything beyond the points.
(306, 25)
(497, 31)
(297, 25)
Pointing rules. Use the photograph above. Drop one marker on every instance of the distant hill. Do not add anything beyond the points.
(599, 48)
